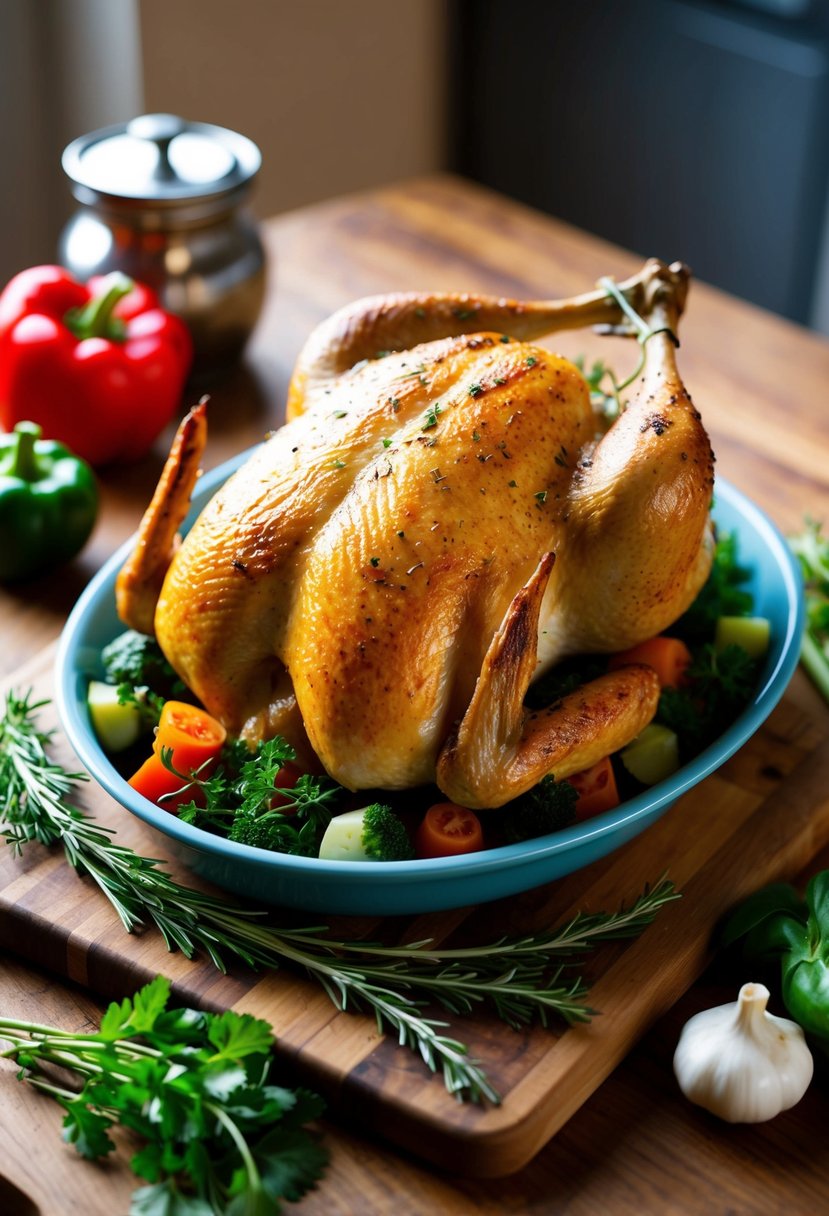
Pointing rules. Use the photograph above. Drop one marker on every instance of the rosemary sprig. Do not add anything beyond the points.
(511, 974)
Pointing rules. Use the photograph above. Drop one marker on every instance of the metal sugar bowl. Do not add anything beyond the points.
(162, 201)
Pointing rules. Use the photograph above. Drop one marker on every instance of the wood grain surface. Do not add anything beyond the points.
(759, 818)
(758, 380)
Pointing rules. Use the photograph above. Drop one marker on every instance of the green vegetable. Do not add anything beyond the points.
(604, 401)
(548, 807)
(142, 700)
(372, 833)
(717, 686)
(723, 594)
(774, 924)
(37, 803)
(608, 401)
(138, 661)
(811, 548)
(218, 1136)
(750, 633)
(48, 503)
(117, 723)
(238, 796)
(653, 755)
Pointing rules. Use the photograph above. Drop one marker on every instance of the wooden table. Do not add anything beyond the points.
(636, 1145)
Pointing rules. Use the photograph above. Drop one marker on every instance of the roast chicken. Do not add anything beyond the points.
(443, 518)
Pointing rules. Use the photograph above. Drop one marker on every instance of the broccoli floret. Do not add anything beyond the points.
(372, 833)
(264, 832)
(135, 659)
(546, 808)
(384, 838)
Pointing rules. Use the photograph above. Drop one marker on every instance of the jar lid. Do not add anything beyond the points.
(160, 158)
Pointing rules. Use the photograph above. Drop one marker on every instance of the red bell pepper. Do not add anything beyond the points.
(100, 367)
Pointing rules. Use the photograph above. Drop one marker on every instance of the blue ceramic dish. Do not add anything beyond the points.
(392, 888)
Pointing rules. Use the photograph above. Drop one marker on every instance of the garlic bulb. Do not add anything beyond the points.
(741, 1063)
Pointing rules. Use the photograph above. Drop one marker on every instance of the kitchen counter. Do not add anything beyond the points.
(636, 1145)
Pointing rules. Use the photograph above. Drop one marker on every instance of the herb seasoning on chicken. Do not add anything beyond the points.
(367, 588)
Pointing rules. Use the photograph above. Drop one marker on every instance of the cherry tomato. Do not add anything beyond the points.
(192, 733)
(448, 830)
(596, 788)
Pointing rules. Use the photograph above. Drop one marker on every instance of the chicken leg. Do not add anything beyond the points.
(376, 325)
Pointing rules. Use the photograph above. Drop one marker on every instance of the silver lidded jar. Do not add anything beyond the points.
(162, 201)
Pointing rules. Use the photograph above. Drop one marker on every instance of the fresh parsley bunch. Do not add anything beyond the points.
(219, 1138)
(237, 800)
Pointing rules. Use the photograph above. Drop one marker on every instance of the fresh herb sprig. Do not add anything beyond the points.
(811, 548)
(236, 800)
(715, 688)
(219, 1138)
(608, 400)
(512, 975)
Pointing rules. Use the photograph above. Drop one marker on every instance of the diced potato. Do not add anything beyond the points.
(653, 755)
(343, 838)
(117, 726)
(751, 633)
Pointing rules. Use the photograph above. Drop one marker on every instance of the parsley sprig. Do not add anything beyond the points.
(236, 801)
(606, 401)
(716, 687)
(811, 548)
(219, 1138)
(521, 978)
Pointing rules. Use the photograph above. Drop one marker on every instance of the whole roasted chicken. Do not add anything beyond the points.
(443, 518)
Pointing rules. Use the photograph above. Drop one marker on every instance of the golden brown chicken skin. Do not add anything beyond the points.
(433, 528)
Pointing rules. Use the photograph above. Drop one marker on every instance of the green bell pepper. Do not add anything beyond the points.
(775, 924)
(48, 503)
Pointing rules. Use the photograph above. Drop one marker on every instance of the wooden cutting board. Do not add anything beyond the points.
(761, 817)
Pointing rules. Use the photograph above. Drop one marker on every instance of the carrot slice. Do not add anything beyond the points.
(596, 788)
(448, 830)
(153, 780)
(669, 657)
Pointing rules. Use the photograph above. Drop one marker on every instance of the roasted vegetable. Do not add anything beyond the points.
(546, 808)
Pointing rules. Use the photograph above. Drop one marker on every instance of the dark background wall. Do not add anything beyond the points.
(678, 128)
